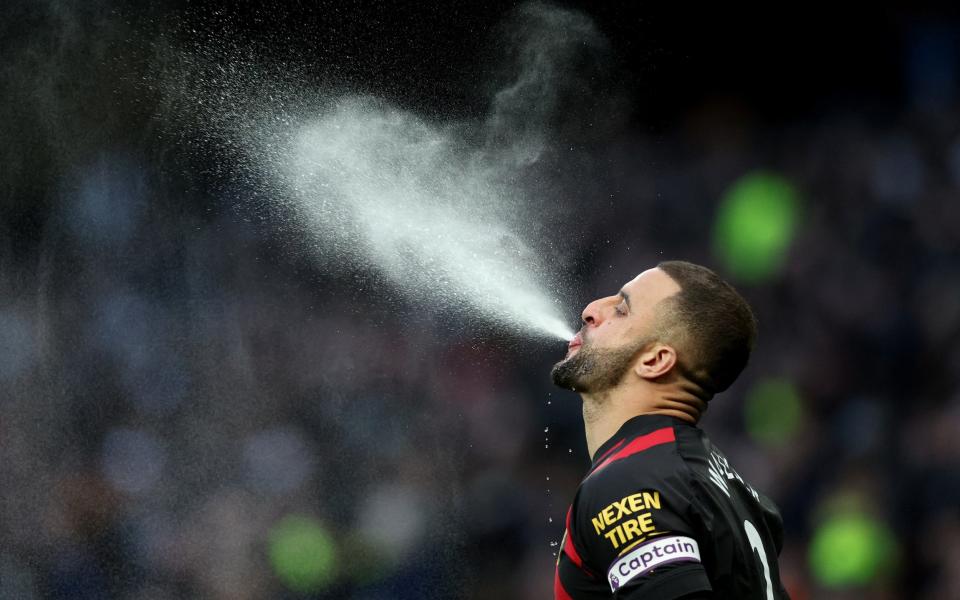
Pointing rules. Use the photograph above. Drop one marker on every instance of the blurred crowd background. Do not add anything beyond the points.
(190, 407)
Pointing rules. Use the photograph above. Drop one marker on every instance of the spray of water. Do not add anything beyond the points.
(376, 181)
(435, 207)
(443, 219)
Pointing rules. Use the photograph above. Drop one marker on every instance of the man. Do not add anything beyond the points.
(662, 514)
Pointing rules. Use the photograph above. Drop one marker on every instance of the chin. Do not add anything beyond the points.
(566, 374)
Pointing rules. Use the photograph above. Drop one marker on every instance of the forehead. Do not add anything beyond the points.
(650, 287)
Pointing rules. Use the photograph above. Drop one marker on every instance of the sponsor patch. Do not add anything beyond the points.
(643, 558)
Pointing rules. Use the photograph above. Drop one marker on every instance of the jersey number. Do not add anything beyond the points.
(757, 544)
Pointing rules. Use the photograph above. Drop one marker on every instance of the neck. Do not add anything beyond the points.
(606, 412)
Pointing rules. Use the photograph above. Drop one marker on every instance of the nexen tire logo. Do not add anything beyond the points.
(644, 558)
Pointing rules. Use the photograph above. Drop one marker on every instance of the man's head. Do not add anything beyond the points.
(678, 320)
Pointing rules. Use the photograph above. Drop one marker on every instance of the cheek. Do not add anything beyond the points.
(639, 325)
(610, 334)
(623, 333)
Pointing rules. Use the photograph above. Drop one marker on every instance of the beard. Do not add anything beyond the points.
(592, 370)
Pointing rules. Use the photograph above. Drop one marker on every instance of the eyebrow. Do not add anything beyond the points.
(626, 298)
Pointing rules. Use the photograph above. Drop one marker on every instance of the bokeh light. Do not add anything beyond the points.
(278, 460)
(773, 412)
(756, 222)
(850, 550)
(303, 554)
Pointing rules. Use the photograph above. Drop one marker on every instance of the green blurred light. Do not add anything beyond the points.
(773, 412)
(851, 550)
(755, 224)
(303, 554)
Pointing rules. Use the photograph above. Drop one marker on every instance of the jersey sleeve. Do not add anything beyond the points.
(636, 526)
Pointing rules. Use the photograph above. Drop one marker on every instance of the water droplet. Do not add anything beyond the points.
(549, 519)
(546, 429)
(548, 478)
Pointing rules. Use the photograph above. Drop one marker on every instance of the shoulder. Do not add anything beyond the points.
(648, 462)
(634, 519)
(641, 490)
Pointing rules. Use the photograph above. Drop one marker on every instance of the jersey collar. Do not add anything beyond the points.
(633, 427)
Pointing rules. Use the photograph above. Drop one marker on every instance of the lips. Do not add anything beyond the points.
(576, 342)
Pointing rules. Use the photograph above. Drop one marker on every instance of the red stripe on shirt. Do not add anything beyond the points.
(568, 546)
(558, 592)
(612, 448)
(644, 442)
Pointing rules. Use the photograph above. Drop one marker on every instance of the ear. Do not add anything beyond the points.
(655, 362)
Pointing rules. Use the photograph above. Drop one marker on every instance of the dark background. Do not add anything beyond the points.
(178, 375)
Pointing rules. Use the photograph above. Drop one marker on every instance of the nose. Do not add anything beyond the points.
(592, 315)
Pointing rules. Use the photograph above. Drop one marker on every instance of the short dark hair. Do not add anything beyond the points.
(711, 324)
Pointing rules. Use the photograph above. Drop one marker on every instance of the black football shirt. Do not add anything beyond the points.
(662, 515)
